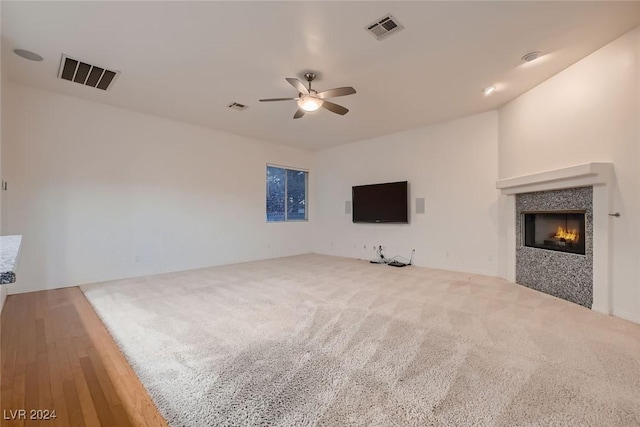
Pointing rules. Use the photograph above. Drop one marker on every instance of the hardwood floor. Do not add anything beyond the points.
(56, 355)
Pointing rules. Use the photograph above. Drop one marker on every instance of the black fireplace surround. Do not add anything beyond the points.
(562, 231)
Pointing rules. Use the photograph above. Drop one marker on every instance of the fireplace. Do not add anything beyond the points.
(562, 231)
(583, 279)
(554, 242)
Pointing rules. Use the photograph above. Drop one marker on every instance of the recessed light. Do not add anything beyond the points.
(488, 90)
(531, 56)
(26, 54)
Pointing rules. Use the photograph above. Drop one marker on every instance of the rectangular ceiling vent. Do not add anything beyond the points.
(237, 106)
(86, 74)
(384, 27)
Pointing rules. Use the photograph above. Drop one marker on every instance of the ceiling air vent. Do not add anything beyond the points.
(86, 74)
(383, 27)
(237, 106)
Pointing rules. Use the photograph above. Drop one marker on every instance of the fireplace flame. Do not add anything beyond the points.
(567, 235)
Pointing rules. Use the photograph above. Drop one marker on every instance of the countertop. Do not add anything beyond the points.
(9, 250)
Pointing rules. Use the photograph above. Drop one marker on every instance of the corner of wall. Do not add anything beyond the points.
(3, 77)
(3, 289)
(3, 297)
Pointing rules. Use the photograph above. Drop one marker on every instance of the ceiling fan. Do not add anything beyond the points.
(311, 100)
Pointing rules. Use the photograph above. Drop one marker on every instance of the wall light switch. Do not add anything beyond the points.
(420, 205)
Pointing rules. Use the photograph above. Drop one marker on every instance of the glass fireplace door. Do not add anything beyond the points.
(556, 231)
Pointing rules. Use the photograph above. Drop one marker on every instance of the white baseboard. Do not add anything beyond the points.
(627, 316)
(601, 310)
(618, 313)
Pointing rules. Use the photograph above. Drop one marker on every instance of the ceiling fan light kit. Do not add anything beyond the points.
(310, 100)
(309, 103)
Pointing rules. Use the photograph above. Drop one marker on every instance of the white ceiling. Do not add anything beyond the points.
(188, 60)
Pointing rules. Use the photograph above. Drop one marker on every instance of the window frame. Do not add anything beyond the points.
(286, 187)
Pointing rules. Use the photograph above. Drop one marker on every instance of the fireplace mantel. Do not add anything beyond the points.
(600, 176)
(585, 175)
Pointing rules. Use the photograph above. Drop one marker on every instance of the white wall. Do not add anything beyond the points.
(3, 289)
(102, 193)
(452, 165)
(588, 113)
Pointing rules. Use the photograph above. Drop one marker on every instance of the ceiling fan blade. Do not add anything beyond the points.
(278, 99)
(339, 91)
(298, 113)
(335, 108)
(300, 87)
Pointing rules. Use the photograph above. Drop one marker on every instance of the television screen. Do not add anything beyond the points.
(380, 203)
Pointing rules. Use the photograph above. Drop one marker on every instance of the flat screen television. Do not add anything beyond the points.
(380, 203)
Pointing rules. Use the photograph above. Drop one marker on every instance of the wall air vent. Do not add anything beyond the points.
(384, 27)
(86, 74)
(237, 106)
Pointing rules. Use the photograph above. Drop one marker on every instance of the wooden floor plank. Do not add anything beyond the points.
(57, 390)
(17, 397)
(56, 354)
(97, 395)
(32, 387)
(74, 413)
(102, 377)
(45, 400)
(89, 410)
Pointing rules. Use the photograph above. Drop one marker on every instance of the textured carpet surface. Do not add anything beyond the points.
(319, 340)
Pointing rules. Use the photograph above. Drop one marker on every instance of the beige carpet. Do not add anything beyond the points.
(318, 340)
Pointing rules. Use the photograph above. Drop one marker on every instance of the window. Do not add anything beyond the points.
(286, 194)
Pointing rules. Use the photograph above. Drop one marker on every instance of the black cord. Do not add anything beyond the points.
(409, 260)
(380, 258)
